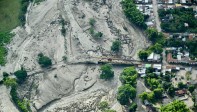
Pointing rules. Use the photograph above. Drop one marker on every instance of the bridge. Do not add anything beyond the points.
(117, 61)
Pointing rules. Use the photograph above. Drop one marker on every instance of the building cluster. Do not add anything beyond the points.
(180, 55)
(170, 4)
(146, 7)
(154, 57)
(180, 59)
(141, 69)
(183, 2)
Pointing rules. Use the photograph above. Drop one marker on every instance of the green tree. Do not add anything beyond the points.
(175, 106)
(106, 72)
(133, 14)
(171, 91)
(92, 21)
(5, 74)
(153, 83)
(191, 88)
(91, 30)
(21, 75)
(44, 61)
(116, 46)
(158, 93)
(65, 58)
(143, 55)
(98, 35)
(155, 36)
(157, 48)
(125, 93)
(166, 85)
(133, 107)
(181, 85)
(103, 105)
(129, 76)
(9, 82)
(22, 104)
(129, 71)
(147, 96)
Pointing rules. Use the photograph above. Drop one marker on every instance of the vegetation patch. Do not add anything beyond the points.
(21, 103)
(12, 14)
(4, 39)
(21, 75)
(188, 45)
(95, 35)
(158, 40)
(133, 14)
(63, 29)
(44, 61)
(178, 20)
(106, 72)
(129, 76)
(9, 13)
(175, 106)
(104, 107)
(127, 91)
(116, 46)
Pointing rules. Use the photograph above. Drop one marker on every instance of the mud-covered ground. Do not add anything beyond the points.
(71, 86)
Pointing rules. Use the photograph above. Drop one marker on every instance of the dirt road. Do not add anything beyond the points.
(155, 11)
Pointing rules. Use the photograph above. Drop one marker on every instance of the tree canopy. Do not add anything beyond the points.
(133, 14)
(21, 75)
(175, 106)
(154, 36)
(143, 55)
(157, 48)
(116, 46)
(153, 96)
(129, 76)
(106, 72)
(125, 93)
(103, 105)
(44, 61)
(174, 20)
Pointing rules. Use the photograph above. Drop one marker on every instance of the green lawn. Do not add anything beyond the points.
(9, 13)
(9, 19)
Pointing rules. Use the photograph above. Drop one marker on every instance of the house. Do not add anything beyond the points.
(170, 48)
(170, 1)
(150, 24)
(157, 66)
(141, 70)
(180, 60)
(183, 1)
(172, 68)
(148, 65)
(178, 5)
(153, 57)
(181, 92)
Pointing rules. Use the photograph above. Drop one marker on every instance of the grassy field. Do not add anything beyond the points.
(9, 13)
(9, 19)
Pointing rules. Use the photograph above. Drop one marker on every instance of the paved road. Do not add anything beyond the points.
(155, 9)
(140, 88)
